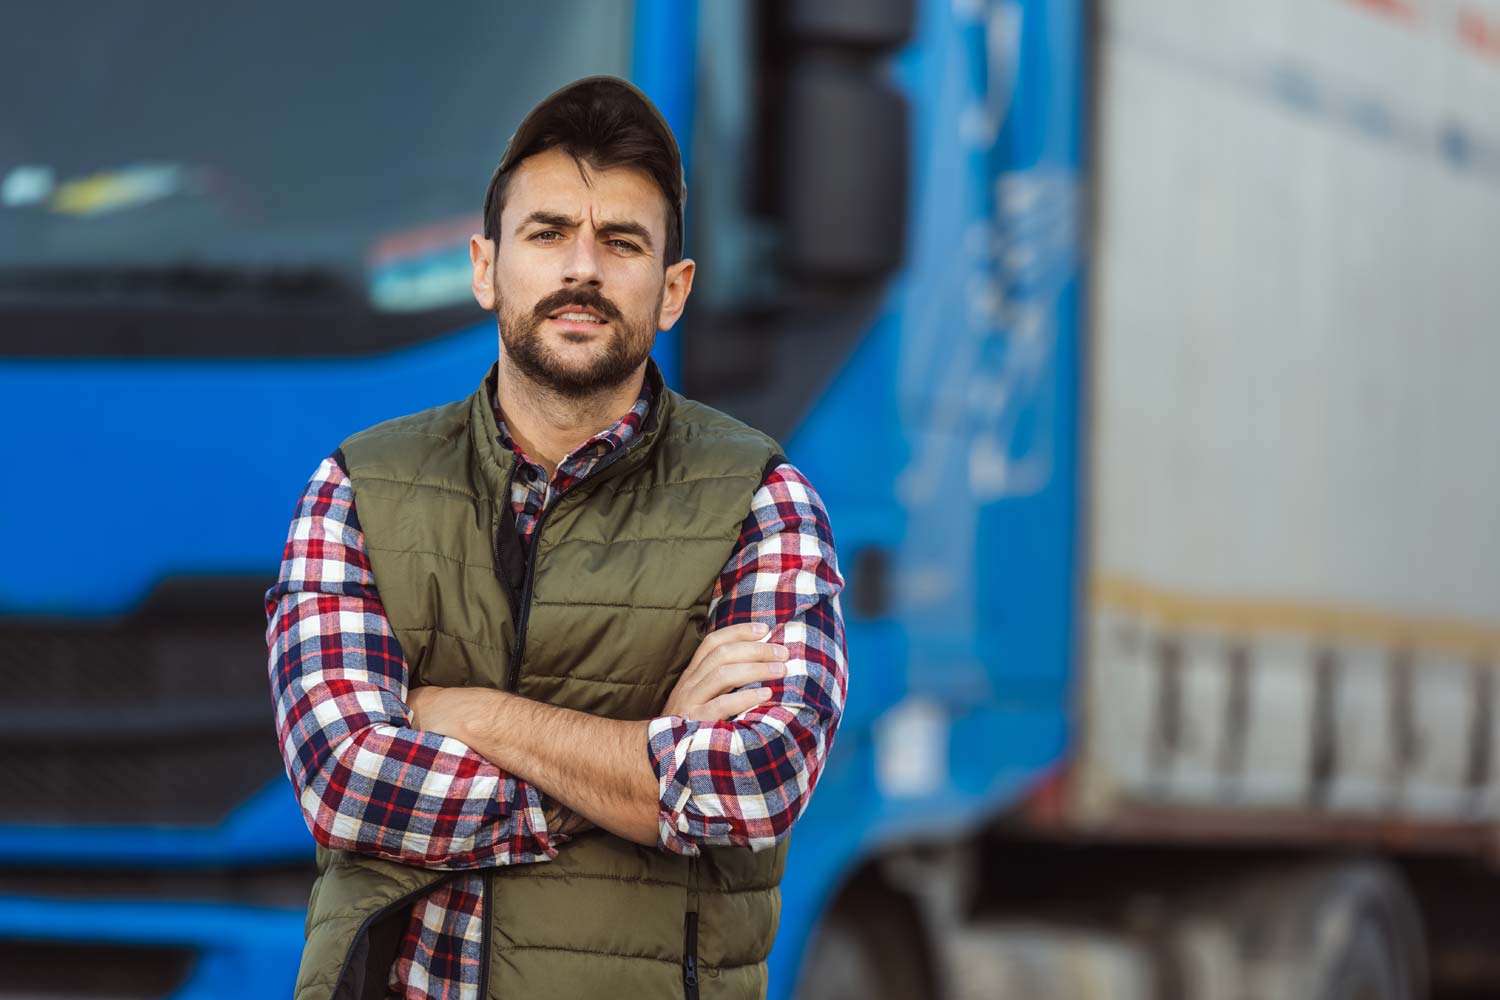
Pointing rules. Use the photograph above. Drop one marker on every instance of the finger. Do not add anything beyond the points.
(736, 675)
(703, 682)
(744, 652)
(727, 706)
(743, 632)
(755, 630)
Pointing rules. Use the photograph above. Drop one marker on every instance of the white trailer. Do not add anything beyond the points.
(1294, 552)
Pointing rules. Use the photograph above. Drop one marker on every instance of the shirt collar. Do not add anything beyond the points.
(590, 452)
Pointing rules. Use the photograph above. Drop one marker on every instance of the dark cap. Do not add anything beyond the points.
(606, 89)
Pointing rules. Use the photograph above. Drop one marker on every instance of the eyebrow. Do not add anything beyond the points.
(561, 221)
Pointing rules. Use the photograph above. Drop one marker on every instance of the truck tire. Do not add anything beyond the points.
(870, 945)
(1336, 931)
(1368, 968)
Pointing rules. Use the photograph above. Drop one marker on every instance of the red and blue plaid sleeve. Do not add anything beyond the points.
(365, 781)
(745, 780)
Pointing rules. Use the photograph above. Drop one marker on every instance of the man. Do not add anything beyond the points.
(557, 753)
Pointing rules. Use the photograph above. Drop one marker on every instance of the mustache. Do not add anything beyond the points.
(587, 296)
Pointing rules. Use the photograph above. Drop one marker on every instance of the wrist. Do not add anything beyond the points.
(476, 719)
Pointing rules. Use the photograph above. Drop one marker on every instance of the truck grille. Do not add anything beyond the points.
(162, 719)
(36, 970)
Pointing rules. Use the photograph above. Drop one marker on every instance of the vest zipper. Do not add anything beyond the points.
(520, 646)
(690, 958)
(690, 945)
(486, 902)
(523, 614)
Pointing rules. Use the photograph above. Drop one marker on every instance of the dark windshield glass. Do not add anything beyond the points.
(349, 142)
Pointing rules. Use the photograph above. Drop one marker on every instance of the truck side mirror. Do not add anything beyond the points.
(803, 200)
(842, 199)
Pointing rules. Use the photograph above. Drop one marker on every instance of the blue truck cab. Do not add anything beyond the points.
(231, 238)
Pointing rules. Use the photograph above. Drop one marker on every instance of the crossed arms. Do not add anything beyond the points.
(467, 777)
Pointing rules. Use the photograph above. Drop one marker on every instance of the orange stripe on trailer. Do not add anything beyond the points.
(1251, 616)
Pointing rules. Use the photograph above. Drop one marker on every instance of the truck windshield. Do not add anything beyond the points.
(276, 148)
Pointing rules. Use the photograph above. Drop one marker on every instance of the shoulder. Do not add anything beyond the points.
(787, 502)
(704, 435)
(328, 491)
(403, 442)
(787, 479)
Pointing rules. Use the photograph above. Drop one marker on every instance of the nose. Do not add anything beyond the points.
(581, 266)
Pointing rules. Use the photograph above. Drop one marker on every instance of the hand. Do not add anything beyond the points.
(440, 710)
(726, 659)
(435, 709)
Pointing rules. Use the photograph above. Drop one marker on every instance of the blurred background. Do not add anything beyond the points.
(1143, 351)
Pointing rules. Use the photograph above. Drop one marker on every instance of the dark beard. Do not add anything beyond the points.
(629, 346)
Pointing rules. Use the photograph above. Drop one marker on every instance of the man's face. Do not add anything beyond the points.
(576, 277)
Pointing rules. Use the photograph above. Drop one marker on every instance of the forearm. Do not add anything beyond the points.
(365, 779)
(744, 781)
(421, 799)
(595, 766)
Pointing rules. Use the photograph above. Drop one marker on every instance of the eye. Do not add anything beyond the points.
(546, 232)
(624, 244)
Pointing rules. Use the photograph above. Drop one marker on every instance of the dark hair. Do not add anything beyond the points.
(595, 129)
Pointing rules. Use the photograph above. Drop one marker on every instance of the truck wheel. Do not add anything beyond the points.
(870, 946)
(1341, 931)
(1369, 968)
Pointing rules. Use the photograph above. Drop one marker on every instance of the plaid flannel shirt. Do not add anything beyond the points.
(367, 782)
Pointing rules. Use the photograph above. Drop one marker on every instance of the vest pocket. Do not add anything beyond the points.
(690, 957)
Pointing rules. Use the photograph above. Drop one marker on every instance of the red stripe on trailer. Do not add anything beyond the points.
(1400, 10)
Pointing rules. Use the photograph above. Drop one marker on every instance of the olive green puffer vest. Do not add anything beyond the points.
(601, 616)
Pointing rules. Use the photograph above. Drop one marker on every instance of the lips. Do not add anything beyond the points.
(578, 314)
(578, 311)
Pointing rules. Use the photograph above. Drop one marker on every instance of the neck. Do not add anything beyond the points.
(547, 425)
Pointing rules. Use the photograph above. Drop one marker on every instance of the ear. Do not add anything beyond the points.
(482, 257)
(679, 284)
